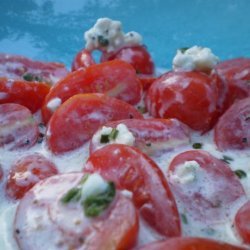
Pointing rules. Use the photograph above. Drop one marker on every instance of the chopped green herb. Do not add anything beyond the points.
(183, 50)
(74, 194)
(240, 173)
(103, 41)
(104, 139)
(184, 218)
(197, 145)
(94, 205)
(113, 134)
(142, 110)
(30, 77)
(227, 159)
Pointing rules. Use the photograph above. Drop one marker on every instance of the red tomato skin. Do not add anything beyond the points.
(15, 67)
(206, 207)
(152, 131)
(190, 97)
(235, 74)
(18, 129)
(28, 94)
(233, 128)
(36, 167)
(189, 243)
(242, 221)
(115, 78)
(137, 56)
(132, 170)
(79, 117)
(83, 59)
(146, 80)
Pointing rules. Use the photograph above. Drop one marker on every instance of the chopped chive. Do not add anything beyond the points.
(227, 159)
(74, 194)
(113, 134)
(197, 145)
(104, 139)
(240, 173)
(183, 50)
(184, 218)
(142, 110)
(30, 77)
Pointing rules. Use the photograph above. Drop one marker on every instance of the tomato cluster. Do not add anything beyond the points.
(161, 112)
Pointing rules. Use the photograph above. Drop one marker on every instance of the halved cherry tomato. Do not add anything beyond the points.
(83, 59)
(43, 222)
(23, 68)
(137, 56)
(236, 76)
(152, 136)
(28, 94)
(18, 129)
(115, 78)
(188, 243)
(233, 128)
(191, 97)
(26, 172)
(79, 117)
(132, 170)
(242, 221)
(203, 185)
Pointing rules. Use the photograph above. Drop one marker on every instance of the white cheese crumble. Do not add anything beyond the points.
(185, 173)
(195, 58)
(124, 136)
(107, 35)
(94, 185)
(54, 104)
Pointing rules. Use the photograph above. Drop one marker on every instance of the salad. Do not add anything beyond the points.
(113, 155)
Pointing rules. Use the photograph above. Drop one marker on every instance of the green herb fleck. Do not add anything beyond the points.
(103, 41)
(74, 194)
(227, 159)
(104, 139)
(142, 110)
(240, 173)
(113, 134)
(184, 218)
(183, 50)
(30, 77)
(197, 145)
(94, 205)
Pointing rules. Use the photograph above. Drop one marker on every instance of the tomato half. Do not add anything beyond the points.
(83, 59)
(28, 94)
(187, 243)
(42, 221)
(132, 170)
(115, 78)
(79, 117)
(26, 172)
(22, 68)
(233, 128)
(190, 97)
(152, 136)
(18, 129)
(204, 186)
(137, 56)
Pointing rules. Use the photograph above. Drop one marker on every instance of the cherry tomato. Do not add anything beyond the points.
(132, 170)
(188, 243)
(22, 68)
(242, 221)
(18, 129)
(233, 128)
(137, 56)
(191, 97)
(42, 221)
(152, 136)
(28, 94)
(236, 76)
(79, 117)
(146, 80)
(83, 59)
(115, 78)
(26, 172)
(208, 182)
